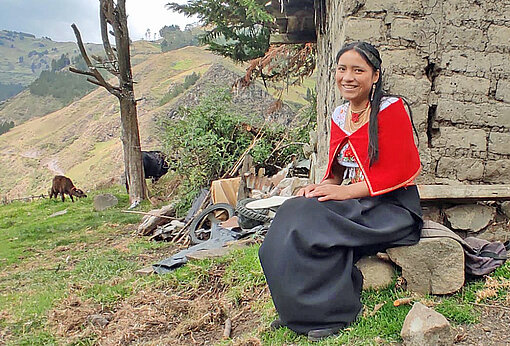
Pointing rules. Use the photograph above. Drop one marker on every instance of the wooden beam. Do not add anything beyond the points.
(302, 37)
(464, 192)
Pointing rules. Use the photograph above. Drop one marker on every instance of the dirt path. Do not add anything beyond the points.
(493, 329)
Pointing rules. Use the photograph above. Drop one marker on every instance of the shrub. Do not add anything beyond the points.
(208, 139)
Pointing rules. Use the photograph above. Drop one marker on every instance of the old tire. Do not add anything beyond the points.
(249, 218)
(207, 215)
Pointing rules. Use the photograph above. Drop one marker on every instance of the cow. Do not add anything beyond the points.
(154, 165)
(64, 185)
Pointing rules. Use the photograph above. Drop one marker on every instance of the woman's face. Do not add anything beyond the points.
(355, 77)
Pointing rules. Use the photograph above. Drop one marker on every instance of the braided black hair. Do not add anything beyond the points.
(371, 55)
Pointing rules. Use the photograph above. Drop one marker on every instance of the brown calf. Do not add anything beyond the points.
(64, 185)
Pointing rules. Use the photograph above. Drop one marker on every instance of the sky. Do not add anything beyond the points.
(53, 18)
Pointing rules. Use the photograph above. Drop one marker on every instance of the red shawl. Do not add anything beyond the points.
(398, 163)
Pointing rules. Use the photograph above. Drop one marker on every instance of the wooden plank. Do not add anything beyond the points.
(464, 192)
(294, 38)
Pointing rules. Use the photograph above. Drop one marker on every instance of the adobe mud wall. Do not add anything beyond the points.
(451, 60)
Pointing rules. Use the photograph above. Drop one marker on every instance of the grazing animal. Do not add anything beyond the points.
(154, 165)
(64, 185)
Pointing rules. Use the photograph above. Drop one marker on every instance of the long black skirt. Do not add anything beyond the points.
(309, 253)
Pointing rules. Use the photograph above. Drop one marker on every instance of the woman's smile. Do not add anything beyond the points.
(354, 78)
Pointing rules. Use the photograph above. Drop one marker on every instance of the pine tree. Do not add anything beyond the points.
(240, 28)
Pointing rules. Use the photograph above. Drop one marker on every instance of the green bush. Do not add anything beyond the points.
(204, 144)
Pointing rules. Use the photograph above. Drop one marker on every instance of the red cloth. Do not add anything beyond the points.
(399, 162)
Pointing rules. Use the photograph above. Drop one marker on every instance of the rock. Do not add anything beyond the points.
(505, 208)
(434, 265)
(58, 213)
(105, 201)
(424, 326)
(289, 186)
(99, 320)
(377, 273)
(470, 217)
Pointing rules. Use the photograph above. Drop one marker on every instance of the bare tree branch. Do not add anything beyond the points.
(92, 68)
(87, 73)
(93, 81)
(109, 66)
(107, 10)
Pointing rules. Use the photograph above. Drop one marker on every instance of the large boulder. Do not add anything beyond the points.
(377, 274)
(424, 326)
(434, 265)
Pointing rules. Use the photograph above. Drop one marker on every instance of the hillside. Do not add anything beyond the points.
(23, 56)
(25, 105)
(82, 140)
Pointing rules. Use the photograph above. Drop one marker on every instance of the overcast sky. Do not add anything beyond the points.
(53, 18)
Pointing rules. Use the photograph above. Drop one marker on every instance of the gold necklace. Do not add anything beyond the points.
(357, 119)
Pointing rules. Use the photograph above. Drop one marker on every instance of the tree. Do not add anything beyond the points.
(118, 63)
(240, 29)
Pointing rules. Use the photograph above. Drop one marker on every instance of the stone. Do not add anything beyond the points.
(503, 90)
(400, 6)
(497, 171)
(499, 143)
(99, 320)
(377, 273)
(58, 213)
(289, 186)
(454, 138)
(407, 29)
(499, 36)
(414, 89)
(505, 208)
(363, 29)
(105, 201)
(424, 326)
(460, 168)
(460, 84)
(470, 217)
(434, 265)
(462, 36)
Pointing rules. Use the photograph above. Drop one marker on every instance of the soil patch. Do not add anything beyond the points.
(170, 314)
(492, 330)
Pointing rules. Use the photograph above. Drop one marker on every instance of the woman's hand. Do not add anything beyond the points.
(326, 192)
(305, 191)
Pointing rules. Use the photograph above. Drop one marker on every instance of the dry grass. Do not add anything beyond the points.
(169, 313)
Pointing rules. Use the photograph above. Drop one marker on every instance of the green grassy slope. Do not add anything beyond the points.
(57, 272)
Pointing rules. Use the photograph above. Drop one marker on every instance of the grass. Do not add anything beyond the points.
(90, 257)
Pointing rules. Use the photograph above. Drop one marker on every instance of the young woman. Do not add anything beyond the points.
(366, 203)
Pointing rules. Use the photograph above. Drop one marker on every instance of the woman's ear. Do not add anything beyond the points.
(376, 76)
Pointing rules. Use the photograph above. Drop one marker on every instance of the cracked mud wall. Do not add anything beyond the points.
(451, 60)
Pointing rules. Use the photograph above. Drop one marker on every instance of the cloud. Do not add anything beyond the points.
(53, 18)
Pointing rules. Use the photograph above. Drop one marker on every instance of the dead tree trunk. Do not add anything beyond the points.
(118, 63)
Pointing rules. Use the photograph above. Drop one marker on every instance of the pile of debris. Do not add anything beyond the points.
(226, 214)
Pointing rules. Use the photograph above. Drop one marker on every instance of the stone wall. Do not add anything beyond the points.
(451, 60)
